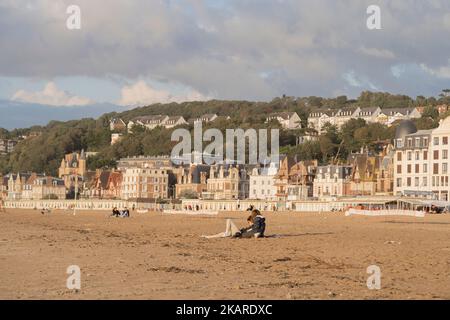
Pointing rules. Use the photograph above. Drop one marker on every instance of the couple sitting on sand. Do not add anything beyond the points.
(120, 213)
(256, 228)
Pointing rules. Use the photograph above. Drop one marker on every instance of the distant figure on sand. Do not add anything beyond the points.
(2, 206)
(120, 213)
(256, 228)
(115, 212)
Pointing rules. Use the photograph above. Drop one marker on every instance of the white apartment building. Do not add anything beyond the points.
(332, 181)
(145, 183)
(288, 120)
(421, 162)
(262, 183)
(317, 119)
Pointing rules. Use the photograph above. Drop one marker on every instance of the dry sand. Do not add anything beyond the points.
(151, 256)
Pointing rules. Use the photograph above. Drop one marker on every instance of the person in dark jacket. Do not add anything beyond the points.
(257, 226)
(115, 212)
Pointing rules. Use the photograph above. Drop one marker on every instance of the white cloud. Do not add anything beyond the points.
(377, 53)
(141, 93)
(222, 46)
(446, 21)
(440, 72)
(358, 81)
(51, 95)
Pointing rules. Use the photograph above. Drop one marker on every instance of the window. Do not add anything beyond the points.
(425, 142)
(399, 182)
(444, 168)
(417, 155)
(408, 182)
(445, 154)
(436, 168)
(399, 156)
(425, 155)
(436, 155)
(409, 156)
(409, 142)
(417, 169)
(409, 168)
(436, 141)
(417, 144)
(425, 168)
(444, 140)
(399, 169)
(424, 181)
(416, 181)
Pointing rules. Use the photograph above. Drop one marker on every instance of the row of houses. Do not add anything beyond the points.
(31, 186)
(156, 178)
(416, 164)
(288, 120)
(153, 121)
(317, 119)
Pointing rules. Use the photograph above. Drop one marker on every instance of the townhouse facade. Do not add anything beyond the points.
(332, 181)
(262, 183)
(145, 183)
(227, 182)
(371, 174)
(294, 180)
(421, 161)
(73, 169)
(192, 181)
(105, 184)
(32, 186)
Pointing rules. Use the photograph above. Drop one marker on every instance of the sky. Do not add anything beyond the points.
(139, 52)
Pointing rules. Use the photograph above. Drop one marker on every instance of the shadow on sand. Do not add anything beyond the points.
(417, 222)
(297, 235)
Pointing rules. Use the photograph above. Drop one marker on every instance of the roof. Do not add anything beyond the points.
(341, 171)
(369, 109)
(394, 111)
(150, 119)
(346, 111)
(283, 115)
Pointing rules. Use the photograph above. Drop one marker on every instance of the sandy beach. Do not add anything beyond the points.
(155, 256)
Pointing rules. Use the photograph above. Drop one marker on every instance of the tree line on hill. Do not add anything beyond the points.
(43, 153)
